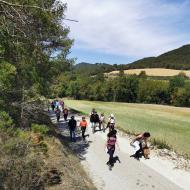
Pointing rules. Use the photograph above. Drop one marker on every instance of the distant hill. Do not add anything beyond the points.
(93, 69)
(175, 59)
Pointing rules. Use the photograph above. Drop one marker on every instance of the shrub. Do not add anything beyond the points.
(161, 144)
(20, 165)
(142, 74)
(5, 120)
(182, 74)
(42, 129)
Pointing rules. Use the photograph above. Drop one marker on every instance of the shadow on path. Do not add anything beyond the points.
(79, 147)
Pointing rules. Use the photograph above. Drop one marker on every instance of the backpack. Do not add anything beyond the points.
(97, 119)
(92, 118)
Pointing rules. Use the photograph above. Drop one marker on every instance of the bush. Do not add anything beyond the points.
(181, 97)
(5, 120)
(20, 166)
(42, 129)
(153, 91)
(142, 74)
(161, 144)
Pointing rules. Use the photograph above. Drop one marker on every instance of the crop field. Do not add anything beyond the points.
(151, 72)
(165, 123)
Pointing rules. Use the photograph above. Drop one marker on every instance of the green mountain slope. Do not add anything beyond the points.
(175, 59)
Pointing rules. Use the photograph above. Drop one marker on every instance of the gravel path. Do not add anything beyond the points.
(130, 174)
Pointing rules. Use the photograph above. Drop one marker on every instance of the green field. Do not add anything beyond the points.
(170, 124)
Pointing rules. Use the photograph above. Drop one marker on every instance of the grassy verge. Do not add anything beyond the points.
(169, 126)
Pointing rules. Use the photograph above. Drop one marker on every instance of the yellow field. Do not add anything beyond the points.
(151, 72)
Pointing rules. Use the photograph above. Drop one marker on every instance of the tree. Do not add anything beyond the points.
(150, 91)
(31, 32)
(175, 83)
(182, 97)
(183, 75)
(142, 74)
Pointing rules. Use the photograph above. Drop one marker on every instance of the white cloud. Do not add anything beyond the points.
(126, 27)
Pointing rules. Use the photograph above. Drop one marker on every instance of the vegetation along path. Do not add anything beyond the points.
(129, 174)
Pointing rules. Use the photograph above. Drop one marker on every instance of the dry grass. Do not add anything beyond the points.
(73, 175)
(151, 72)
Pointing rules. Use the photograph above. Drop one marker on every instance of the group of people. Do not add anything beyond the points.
(95, 121)
(59, 107)
(139, 142)
(100, 121)
(73, 125)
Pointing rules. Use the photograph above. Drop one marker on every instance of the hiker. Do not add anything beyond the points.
(110, 144)
(96, 121)
(83, 125)
(60, 103)
(72, 127)
(93, 111)
(65, 113)
(52, 106)
(91, 117)
(58, 114)
(102, 122)
(55, 105)
(111, 122)
(137, 143)
(63, 105)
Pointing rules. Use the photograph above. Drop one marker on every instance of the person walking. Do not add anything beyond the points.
(92, 117)
(102, 122)
(96, 120)
(110, 144)
(72, 127)
(65, 113)
(137, 143)
(58, 114)
(111, 122)
(83, 125)
(52, 106)
(63, 105)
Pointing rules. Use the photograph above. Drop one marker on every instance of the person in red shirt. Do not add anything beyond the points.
(83, 125)
(110, 144)
(65, 113)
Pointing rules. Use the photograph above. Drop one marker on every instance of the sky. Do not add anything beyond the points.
(122, 31)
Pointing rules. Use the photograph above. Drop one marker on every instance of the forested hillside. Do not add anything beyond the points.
(93, 69)
(175, 59)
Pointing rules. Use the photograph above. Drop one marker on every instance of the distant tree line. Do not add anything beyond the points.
(134, 89)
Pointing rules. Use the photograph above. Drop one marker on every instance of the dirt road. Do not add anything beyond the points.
(130, 174)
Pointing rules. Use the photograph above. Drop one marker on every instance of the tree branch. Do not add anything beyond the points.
(70, 20)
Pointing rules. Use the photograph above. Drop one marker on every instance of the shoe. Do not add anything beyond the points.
(137, 158)
(108, 163)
